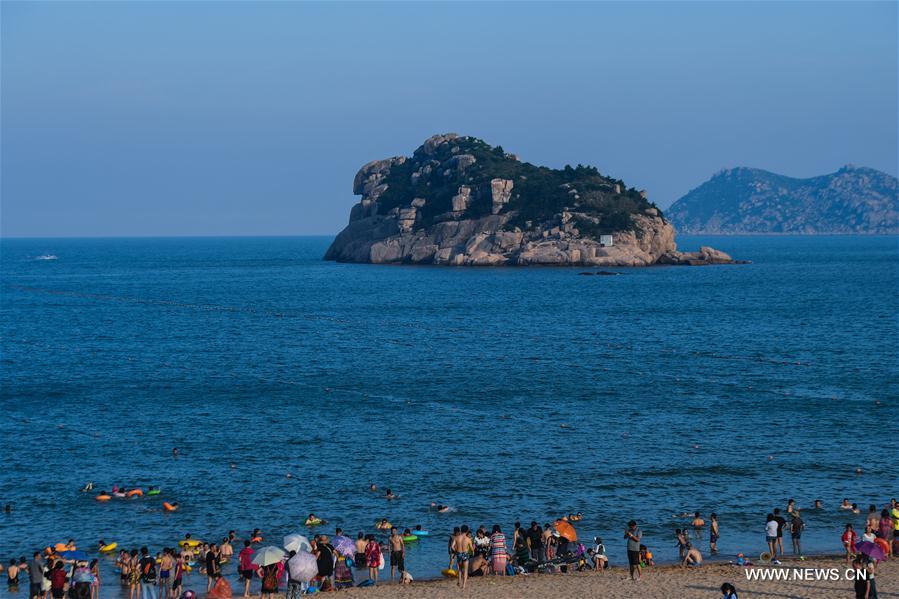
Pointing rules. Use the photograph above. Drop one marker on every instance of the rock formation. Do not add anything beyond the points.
(459, 201)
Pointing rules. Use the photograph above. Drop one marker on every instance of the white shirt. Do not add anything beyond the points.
(771, 528)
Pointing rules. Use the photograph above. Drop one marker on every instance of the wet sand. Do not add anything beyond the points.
(664, 582)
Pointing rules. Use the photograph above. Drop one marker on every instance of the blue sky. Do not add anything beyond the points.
(217, 118)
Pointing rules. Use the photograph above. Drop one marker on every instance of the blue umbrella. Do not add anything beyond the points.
(76, 555)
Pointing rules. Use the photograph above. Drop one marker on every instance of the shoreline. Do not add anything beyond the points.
(661, 582)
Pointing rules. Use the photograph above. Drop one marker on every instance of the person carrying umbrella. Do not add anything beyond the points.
(269, 559)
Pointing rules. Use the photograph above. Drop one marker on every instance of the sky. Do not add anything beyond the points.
(238, 118)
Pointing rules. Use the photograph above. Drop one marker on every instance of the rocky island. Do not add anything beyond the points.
(853, 200)
(459, 201)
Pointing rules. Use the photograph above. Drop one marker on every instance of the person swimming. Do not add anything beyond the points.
(390, 495)
(440, 507)
(373, 487)
(88, 487)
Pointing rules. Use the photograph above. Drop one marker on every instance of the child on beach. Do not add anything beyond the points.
(646, 560)
(600, 561)
(849, 539)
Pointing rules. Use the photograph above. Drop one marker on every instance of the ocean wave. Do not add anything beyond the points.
(47, 257)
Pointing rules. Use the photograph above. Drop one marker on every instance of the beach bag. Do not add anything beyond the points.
(221, 590)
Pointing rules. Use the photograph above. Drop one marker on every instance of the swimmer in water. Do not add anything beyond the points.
(389, 494)
(312, 519)
(88, 487)
(383, 524)
(174, 452)
(289, 475)
(233, 465)
(373, 487)
(818, 505)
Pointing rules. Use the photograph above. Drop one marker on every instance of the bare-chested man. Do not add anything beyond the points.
(463, 548)
(397, 553)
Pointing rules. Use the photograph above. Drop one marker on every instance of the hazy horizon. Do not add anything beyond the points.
(236, 119)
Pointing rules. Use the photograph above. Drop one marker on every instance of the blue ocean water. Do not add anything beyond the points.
(515, 393)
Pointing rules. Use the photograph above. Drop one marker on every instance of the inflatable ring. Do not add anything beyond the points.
(189, 543)
(103, 497)
(108, 548)
(154, 492)
(410, 538)
(449, 573)
(314, 522)
(256, 540)
(60, 547)
(169, 507)
(134, 492)
(882, 543)
(420, 533)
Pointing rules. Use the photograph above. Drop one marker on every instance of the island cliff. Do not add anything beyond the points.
(460, 201)
(853, 200)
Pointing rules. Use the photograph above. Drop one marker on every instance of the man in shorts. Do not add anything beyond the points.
(633, 535)
(463, 548)
(246, 567)
(397, 553)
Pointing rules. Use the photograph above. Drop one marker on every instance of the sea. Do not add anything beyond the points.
(289, 385)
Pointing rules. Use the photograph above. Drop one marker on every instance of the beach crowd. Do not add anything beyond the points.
(320, 562)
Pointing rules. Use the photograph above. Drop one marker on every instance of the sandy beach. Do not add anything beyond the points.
(664, 582)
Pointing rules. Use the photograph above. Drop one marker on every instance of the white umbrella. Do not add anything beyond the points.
(268, 556)
(297, 543)
(302, 567)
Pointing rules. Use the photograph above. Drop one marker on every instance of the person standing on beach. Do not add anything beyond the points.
(499, 553)
(462, 549)
(212, 567)
(373, 557)
(796, 527)
(781, 523)
(36, 576)
(147, 575)
(633, 535)
(535, 541)
(246, 567)
(713, 534)
(397, 553)
(771, 537)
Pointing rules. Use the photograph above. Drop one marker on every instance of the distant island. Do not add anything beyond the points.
(459, 201)
(753, 201)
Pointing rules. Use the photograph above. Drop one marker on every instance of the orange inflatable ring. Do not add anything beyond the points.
(103, 497)
(134, 492)
(169, 507)
(256, 540)
(883, 545)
